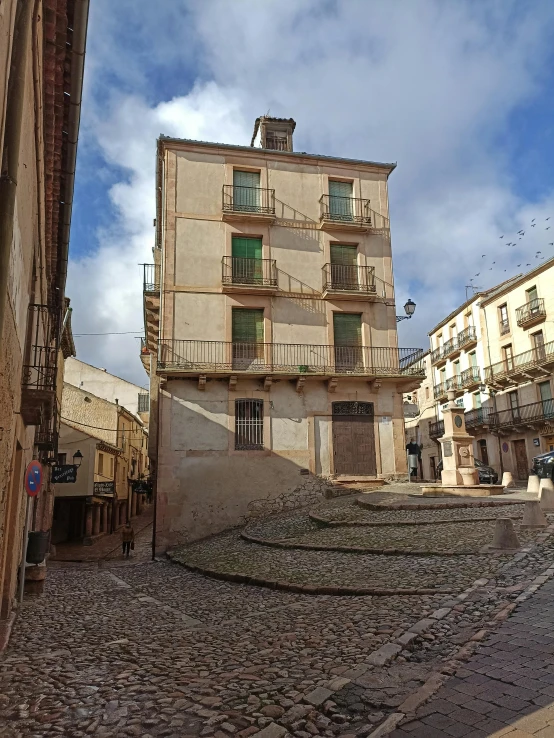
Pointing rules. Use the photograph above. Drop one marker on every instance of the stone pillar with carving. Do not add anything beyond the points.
(458, 465)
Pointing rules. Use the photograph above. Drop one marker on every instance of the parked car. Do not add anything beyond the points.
(543, 465)
(487, 475)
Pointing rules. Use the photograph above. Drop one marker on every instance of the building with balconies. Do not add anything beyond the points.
(270, 337)
(497, 354)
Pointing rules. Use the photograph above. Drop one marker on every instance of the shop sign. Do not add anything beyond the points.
(65, 474)
(104, 488)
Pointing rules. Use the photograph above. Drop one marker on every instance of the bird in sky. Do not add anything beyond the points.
(533, 225)
(478, 273)
(522, 233)
(551, 244)
(528, 265)
(539, 252)
(483, 256)
(548, 217)
(490, 270)
(547, 229)
(533, 220)
(519, 265)
(494, 262)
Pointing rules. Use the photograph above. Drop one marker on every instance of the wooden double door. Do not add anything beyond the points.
(354, 439)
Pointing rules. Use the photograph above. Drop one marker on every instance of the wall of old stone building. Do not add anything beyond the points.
(205, 485)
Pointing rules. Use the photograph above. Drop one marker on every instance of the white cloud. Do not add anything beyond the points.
(429, 84)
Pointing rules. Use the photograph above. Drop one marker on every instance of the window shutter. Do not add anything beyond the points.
(247, 248)
(344, 255)
(248, 325)
(347, 329)
(340, 189)
(246, 179)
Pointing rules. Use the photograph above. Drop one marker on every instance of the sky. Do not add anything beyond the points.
(457, 92)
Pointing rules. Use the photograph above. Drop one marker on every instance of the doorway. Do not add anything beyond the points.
(522, 465)
(354, 439)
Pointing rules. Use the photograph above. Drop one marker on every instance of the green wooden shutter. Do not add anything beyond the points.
(246, 179)
(344, 255)
(347, 328)
(340, 200)
(246, 191)
(247, 248)
(248, 325)
(340, 189)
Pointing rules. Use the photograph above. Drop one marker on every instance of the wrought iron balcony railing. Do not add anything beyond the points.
(40, 372)
(439, 390)
(151, 280)
(248, 200)
(470, 377)
(185, 356)
(251, 272)
(536, 412)
(519, 364)
(344, 278)
(436, 429)
(454, 383)
(531, 312)
(353, 210)
(478, 417)
(466, 337)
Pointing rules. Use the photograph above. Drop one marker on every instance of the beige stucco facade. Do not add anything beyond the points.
(207, 479)
(501, 370)
(40, 88)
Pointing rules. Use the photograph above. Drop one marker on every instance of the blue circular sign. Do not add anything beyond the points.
(33, 478)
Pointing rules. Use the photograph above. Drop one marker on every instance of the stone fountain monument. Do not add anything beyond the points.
(459, 475)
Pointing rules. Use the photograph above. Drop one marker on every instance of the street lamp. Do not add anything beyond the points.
(409, 309)
(77, 458)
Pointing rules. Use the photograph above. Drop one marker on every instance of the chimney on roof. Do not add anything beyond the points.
(273, 133)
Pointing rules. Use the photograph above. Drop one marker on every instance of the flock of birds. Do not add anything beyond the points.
(521, 234)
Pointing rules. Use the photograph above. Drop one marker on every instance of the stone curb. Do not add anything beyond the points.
(400, 523)
(280, 543)
(308, 589)
(434, 506)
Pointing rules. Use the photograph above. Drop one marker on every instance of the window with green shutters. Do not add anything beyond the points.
(347, 332)
(247, 265)
(340, 200)
(344, 266)
(246, 191)
(248, 337)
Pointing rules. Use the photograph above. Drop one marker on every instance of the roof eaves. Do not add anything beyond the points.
(162, 139)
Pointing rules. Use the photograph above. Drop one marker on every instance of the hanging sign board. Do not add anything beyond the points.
(65, 474)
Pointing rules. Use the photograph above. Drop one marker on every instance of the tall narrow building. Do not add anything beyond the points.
(271, 336)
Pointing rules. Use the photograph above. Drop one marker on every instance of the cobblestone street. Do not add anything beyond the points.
(117, 647)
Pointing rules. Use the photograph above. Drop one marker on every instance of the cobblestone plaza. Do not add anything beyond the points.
(153, 648)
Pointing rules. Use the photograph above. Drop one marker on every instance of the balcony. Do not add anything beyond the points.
(344, 281)
(454, 383)
(526, 367)
(184, 357)
(527, 416)
(436, 429)
(151, 287)
(531, 313)
(439, 391)
(440, 354)
(348, 213)
(38, 390)
(467, 338)
(470, 378)
(478, 419)
(248, 203)
(258, 275)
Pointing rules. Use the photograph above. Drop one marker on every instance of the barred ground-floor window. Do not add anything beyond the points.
(249, 425)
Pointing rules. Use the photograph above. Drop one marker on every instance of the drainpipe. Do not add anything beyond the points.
(12, 140)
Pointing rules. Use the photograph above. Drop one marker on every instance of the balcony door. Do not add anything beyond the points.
(347, 331)
(247, 264)
(248, 338)
(545, 390)
(340, 200)
(344, 267)
(514, 405)
(538, 345)
(246, 191)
